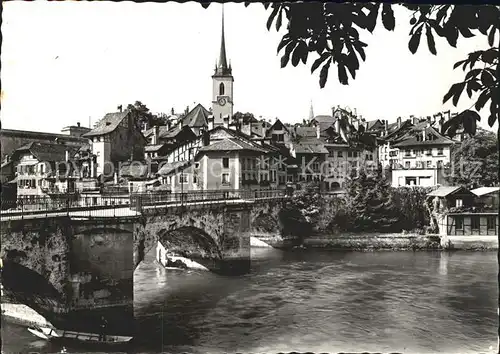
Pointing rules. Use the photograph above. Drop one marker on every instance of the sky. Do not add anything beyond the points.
(69, 62)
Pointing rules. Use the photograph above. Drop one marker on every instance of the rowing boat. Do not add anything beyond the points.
(83, 337)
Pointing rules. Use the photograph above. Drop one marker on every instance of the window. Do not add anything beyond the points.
(196, 165)
(331, 153)
(429, 164)
(225, 162)
(440, 151)
(491, 222)
(195, 179)
(221, 89)
(459, 203)
(339, 154)
(355, 154)
(407, 164)
(475, 222)
(349, 154)
(407, 153)
(42, 168)
(419, 164)
(439, 163)
(459, 223)
(225, 178)
(183, 178)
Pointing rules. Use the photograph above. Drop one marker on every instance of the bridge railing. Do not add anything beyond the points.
(105, 205)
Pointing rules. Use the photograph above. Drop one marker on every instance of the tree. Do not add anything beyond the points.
(246, 117)
(144, 116)
(370, 202)
(474, 163)
(333, 32)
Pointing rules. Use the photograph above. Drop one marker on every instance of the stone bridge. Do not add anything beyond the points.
(74, 269)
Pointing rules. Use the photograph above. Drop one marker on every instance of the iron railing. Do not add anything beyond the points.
(126, 205)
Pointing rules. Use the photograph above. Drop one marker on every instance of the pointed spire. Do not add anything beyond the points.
(222, 57)
(221, 66)
(311, 113)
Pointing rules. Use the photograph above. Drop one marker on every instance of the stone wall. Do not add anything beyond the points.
(41, 245)
(71, 271)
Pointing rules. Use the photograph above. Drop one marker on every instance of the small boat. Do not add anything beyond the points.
(82, 337)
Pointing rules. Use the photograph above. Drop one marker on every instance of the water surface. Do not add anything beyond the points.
(422, 302)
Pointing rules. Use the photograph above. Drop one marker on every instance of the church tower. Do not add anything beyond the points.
(222, 90)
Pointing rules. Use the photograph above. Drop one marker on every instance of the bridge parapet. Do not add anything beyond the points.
(117, 206)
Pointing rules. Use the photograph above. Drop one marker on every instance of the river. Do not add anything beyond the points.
(316, 301)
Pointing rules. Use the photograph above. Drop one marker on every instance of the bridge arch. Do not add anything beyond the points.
(190, 241)
(23, 285)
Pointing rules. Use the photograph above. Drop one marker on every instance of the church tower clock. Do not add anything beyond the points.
(222, 90)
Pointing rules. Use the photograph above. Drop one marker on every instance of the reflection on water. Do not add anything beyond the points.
(421, 302)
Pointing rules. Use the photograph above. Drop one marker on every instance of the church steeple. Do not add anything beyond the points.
(222, 89)
(222, 67)
(311, 113)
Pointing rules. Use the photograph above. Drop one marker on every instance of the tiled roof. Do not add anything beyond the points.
(310, 148)
(277, 123)
(107, 124)
(306, 132)
(232, 145)
(485, 190)
(162, 130)
(446, 191)
(135, 170)
(153, 148)
(197, 117)
(170, 167)
(324, 119)
(240, 136)
(373, 123)
(48, 152)
(410, 139)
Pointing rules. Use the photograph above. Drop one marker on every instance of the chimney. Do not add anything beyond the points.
(337, 126)
(67, 155)
(210, 122)
(356, 123)
(318, 131)
(206, 138)
(399, 122)
(423, 134)
(355, 112)
(365, 123)
(440, 125)
(78, 124)
(172, 111)
(179, 124)
(246, 127)
(156, 133)
(169, 124)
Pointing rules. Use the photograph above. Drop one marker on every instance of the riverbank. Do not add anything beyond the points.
(383, 242)
(23, 315)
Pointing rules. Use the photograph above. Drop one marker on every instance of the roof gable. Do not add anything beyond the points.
(448, 191)
(108, 124)
(278, 125)
(197, 117)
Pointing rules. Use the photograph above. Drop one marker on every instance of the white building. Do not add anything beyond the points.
(422, 155)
